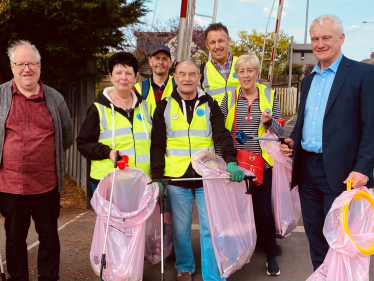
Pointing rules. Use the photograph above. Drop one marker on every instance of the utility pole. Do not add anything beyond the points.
(275, 43)
(266, 32)
(290, 63)
(182, 30)
(214, 17)
(186, 24)
(306, 32)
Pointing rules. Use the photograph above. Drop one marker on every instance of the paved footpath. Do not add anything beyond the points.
(76, 232)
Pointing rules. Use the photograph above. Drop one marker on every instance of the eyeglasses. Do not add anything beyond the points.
(21, 65)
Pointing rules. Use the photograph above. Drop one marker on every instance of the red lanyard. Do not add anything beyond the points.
(248, 111)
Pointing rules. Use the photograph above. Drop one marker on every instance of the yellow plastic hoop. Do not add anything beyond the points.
(360, 194)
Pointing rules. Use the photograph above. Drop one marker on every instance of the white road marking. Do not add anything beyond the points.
(289, 120)
(300, 228)
(195, 226)
(60, 228)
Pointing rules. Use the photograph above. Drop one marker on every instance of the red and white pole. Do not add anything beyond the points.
(275, 42)
(182, 31)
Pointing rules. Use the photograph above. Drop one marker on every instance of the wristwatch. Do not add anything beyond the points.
(367, 178)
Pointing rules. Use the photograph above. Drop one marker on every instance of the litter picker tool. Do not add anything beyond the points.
(2, 270)
(361, 194)
(248, 181)
(121, 165)
(164, 182)
(162, 211)
(241, 138)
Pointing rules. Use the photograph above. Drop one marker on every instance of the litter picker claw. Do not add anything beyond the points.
(241, 138)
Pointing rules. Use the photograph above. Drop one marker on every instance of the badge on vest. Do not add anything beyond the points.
(200, 112)
(174, 116)
(139, 117)
(234, 75)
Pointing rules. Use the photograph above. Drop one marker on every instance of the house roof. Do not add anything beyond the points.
(371, 60)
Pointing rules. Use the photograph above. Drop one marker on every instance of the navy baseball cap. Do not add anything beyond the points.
(160, 48)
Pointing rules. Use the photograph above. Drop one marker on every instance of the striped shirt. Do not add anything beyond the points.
(225, 68)
(250, 125)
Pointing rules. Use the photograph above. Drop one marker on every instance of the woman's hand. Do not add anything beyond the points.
(266, 116)
(112, 155)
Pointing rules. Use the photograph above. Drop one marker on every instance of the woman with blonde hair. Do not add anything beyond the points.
(254, 110)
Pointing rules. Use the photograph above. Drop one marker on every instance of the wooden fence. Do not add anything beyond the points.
(78, 98)
(288, 100)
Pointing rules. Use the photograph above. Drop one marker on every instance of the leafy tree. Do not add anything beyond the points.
(68, 33)
(141, 38)
(253, 42)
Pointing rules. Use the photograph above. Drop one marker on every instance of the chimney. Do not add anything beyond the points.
(372, 55)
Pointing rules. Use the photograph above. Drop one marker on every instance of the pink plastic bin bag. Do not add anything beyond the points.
(286, 202)
(344, 261)
(133, 202)
(230, 212)
(153, 236)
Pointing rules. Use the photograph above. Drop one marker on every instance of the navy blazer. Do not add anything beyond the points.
(348, 125)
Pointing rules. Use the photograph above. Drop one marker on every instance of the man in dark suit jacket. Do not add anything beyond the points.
(333, 139)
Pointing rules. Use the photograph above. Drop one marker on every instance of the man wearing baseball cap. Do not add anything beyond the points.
(160, 85)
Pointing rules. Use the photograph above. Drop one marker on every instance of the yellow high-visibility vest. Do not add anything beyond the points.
(146, 91)
(183, 139)
(132, 140)
(266, 100)
(216, 85)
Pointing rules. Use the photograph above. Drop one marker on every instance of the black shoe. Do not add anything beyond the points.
(260, 247)
(272, 267)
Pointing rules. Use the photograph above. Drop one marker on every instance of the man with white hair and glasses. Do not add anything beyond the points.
(332, 141)
(183, 124)
(35, 131)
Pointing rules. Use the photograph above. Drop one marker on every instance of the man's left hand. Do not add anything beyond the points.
(359, 179)
(266, 116)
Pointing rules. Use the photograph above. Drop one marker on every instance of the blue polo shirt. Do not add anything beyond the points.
(316, 105)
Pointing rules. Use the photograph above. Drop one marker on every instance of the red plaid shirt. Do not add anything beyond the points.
(29, 156)
(225, 68)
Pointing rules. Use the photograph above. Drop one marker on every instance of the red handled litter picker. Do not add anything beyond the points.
(121, 165)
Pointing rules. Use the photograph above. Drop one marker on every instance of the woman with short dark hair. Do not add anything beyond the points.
(119, 120)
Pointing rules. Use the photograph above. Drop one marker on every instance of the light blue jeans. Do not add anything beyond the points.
(181, 200)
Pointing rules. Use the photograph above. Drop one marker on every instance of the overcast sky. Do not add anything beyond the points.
(239, 15)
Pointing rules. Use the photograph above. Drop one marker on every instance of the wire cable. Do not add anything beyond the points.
(154, 13)
(360, 27)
